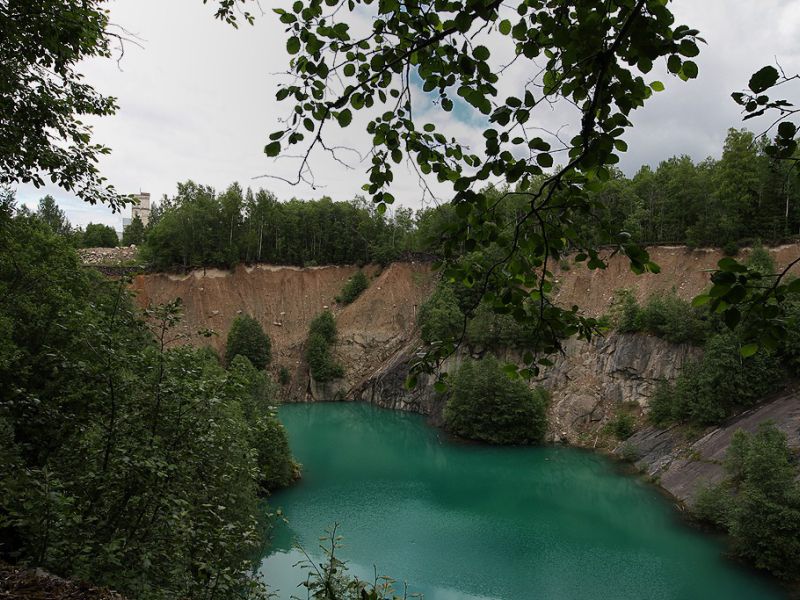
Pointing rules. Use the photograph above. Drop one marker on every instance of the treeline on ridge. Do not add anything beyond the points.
(742, 197)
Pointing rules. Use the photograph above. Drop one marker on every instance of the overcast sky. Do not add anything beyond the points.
(197, 101)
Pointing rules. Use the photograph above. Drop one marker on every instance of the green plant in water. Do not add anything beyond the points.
(329, 579)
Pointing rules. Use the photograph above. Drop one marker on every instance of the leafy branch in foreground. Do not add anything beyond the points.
(329, 579)
(741, 293)
(445, 56)
(43, 98)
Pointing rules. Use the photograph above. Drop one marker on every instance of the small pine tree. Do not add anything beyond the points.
(134, 232)
(247, 338)
(353, 288)
(321, 337)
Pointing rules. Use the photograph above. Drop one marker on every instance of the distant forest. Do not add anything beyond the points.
(742, 198)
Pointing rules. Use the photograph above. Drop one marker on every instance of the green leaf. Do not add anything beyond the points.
(505, 27)
(690, 69)
(763, 79)
(748, 350)
(730, 264)
(793, 287)
(787, 129)
(272, 149)
(701, 300)
(657, 86)
(345, 117)
(293, 45)
(481, 53)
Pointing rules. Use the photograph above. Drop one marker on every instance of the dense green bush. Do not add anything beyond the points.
(622, 425)
(761, 260)
(759, 502)
(487, 405)
(716, 386)
(353, 288)
(98, 235)
(268, 437)
(489, 329)
(663, 315)
(247, 338)
(625, 312)
(321, 338)
(790, 348)
(123, 461)
(439, 317)
(730, 249)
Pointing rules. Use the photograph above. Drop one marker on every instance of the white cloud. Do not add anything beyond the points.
(197, 101)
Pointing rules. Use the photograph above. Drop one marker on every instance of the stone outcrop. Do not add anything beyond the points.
(591, 381)
(588, 383)
(683, 464)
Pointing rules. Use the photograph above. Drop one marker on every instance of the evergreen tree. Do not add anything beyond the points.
(53, 216)
(133, 235)
(247, 338)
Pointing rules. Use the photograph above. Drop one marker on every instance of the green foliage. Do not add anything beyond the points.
(716, 386)
(730, 249)
(353, 288)
(45, 103)
(268, 437)
(284, 377)
(759, 502)
(760, 260)
(122, 461)
(133, 235)
(200, 227)
(664, 315)
(329, 579)
(49, 212)
(439, 317)
(487, 405)
(622, 425)
(98, 235)
(625, 312)
(790, 346)
(321, 338)
(369, 68)
(247, 338)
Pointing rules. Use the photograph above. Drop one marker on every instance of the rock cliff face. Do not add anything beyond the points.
(589, 383)
(683, 464)
(285, 300)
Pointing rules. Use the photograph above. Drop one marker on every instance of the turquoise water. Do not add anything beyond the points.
(473, 522)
